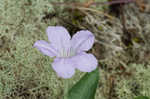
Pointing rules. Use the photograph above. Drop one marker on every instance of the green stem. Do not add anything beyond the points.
(66, 87)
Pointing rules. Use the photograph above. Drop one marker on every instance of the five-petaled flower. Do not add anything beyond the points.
(69, 52)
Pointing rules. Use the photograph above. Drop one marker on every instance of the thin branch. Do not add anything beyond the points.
(94, 3)
(97, 11)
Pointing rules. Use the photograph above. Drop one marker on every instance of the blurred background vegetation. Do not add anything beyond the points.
(122, 47)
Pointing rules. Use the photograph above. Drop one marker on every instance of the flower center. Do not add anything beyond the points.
(67, 52)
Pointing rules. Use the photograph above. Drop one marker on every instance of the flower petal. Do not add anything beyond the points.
(82, 40)
(63, 67)
(45, 48)
(85, 62)
(58, 37)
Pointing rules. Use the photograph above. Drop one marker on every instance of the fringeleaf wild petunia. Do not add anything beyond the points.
(70, 53)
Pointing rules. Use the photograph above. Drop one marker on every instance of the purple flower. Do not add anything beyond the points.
(69, 52)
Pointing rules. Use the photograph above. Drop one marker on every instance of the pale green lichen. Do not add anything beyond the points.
(24, 69)
(137, 85)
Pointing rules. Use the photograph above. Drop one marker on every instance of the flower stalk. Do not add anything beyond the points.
(66, 88)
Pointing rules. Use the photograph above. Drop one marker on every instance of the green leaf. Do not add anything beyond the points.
(85, 88)
(141, 97)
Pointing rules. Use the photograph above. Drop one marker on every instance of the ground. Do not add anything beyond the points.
(121, 46)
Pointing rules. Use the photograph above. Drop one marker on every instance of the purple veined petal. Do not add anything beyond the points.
(82, 41)
(59, 37)
(85, 62)
(45, 48)
(63, 67)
